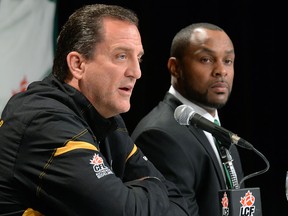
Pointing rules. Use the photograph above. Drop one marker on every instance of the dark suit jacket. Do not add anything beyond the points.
(185, 156)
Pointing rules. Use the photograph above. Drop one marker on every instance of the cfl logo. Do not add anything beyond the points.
(247, 211)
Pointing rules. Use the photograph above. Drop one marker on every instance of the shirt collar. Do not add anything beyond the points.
(196, 108)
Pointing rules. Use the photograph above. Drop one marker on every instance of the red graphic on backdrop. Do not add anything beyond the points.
(22, 87)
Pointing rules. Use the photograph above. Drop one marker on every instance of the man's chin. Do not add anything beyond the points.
(124, 108)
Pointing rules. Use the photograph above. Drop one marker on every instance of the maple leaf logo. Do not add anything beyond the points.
(248, 199)
(225, 201)
(96, 160)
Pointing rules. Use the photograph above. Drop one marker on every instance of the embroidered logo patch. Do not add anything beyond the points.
(99, 167)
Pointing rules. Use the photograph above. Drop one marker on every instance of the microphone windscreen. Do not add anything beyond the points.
(183, 113)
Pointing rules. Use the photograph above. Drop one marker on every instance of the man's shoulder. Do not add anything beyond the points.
(159, 118)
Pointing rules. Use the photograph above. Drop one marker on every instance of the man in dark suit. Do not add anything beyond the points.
(201, 65)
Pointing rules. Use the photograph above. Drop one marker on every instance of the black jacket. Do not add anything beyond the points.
(58, 156)
(187, 157)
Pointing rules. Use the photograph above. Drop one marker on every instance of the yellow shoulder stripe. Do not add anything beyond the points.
(72, 145)
(31, 212)
(132, 152)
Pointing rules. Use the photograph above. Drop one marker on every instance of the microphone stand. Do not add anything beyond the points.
(229, 170)
(235, 201)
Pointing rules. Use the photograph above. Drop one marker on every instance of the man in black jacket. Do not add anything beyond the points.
(64, 148)
(201, 65)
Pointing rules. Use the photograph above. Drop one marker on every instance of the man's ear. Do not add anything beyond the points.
(75, 63)
(173, 66)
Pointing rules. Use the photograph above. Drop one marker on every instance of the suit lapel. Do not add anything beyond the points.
(199, 134)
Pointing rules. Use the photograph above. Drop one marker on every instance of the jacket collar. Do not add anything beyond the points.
(80, 105)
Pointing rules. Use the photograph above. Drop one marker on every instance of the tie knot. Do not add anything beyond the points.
(216, 122)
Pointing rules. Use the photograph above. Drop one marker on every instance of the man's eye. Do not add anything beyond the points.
(229, 61)
(121, 56)
(205, 60)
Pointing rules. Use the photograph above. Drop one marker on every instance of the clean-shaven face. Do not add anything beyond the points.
(111, 75)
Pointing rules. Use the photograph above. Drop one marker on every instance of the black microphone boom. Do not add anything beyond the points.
(185, 115)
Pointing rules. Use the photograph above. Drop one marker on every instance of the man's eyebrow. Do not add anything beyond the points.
(231, 51)
(123, 48)
(205, 49)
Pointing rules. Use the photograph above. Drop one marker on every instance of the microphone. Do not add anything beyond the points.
(233, 201)
(185, 115)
